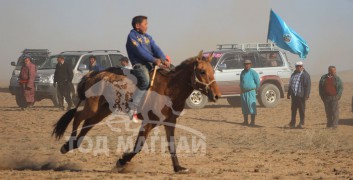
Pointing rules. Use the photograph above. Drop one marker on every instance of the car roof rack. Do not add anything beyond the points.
(25, 51)
(90, 51)
(248, 46)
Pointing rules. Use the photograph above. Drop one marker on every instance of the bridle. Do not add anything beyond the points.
(197, 81)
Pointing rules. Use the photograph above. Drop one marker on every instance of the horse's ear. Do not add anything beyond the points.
(209, 59)
(199, 57)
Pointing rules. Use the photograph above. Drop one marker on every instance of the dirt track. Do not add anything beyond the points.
(232, 151)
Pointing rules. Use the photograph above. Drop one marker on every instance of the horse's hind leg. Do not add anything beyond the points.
(89, 123)
(89, 110)
(141, 138)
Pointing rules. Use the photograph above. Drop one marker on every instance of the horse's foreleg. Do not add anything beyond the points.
(172, 150)
(141, 138)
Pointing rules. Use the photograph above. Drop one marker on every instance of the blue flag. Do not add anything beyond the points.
(285, 37)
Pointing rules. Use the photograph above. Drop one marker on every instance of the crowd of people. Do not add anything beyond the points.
(144, 54)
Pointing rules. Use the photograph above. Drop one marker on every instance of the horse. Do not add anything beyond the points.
(193, 73)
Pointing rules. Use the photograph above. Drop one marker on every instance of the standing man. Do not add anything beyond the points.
(249, 83)
(62, 79)
(143, 53)
(330, 89)
(299, 90)
(93, 65)
(26, 80)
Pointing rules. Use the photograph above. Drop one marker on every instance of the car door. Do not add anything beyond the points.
(228, 77)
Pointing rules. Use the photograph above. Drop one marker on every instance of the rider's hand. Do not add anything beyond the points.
(288, 96)
(157, 62)
(166, 63)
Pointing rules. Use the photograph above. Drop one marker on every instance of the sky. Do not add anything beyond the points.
(180, 27)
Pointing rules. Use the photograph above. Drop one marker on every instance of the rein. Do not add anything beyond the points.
(200, 82)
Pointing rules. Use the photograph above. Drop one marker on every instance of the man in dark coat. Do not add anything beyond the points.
(299, 90)
(330, 89)
(62, 79)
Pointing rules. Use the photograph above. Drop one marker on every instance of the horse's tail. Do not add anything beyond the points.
(64, 121)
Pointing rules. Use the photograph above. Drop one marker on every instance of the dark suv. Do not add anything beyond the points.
(269, 62)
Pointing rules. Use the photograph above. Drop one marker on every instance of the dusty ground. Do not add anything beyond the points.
(232, 151)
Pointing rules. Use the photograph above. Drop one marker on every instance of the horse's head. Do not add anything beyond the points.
(202, 78)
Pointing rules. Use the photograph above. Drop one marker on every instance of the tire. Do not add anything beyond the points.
(269, 96)
(234, 101)
(196, 100)
(20, 99)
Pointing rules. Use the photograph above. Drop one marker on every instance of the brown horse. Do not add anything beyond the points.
(193, 73)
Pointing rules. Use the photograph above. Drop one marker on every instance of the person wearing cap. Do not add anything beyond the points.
(330, 90)
(249, 83)
(26, 80)
(299, 91)
(93, 65)
(63, 76)
(144, 54)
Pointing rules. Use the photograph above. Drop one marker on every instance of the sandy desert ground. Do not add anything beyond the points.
(231, 151)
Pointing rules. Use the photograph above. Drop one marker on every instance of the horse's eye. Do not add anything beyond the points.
(202, 72)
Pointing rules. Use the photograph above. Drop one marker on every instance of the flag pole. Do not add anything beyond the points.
(268, 29)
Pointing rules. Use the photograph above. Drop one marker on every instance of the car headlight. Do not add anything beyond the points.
(47, 79)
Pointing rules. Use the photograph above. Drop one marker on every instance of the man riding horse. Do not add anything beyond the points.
(142, 52)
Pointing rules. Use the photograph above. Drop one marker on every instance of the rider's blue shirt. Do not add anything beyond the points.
(142, 49)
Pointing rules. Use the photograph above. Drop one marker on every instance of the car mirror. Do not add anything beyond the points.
(82, 67)
(13, 63)
(221, 67)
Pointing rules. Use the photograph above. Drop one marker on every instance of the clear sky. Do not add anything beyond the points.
(180, 27)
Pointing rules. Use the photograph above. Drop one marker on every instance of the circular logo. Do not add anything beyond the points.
(287, 38)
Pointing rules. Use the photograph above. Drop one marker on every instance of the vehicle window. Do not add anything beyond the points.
(85, 61)
(115, 58)
(252, 57)
(51, 62)
(215, 58)
(231, 61)
(270, 59)
(103, 60)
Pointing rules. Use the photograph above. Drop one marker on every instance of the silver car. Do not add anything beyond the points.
(80, 61)
(228, 61)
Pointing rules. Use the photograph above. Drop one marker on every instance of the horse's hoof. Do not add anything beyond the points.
(63, 150)
(120, 163)
(182, 170)
(120, 166)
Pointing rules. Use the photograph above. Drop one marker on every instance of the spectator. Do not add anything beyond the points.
(62, 79)
(330, 90)
(93, 65)
(26, 80)
(249, 83)
(299, 90)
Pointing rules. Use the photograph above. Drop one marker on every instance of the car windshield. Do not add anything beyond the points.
(51, 62)
(37, 60)
(215, 58)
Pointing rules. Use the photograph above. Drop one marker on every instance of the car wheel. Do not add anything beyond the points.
(20, 99)
(234, 101)
(196, 100)
(269, 95)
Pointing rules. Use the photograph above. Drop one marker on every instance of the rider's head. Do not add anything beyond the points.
(139, 23)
